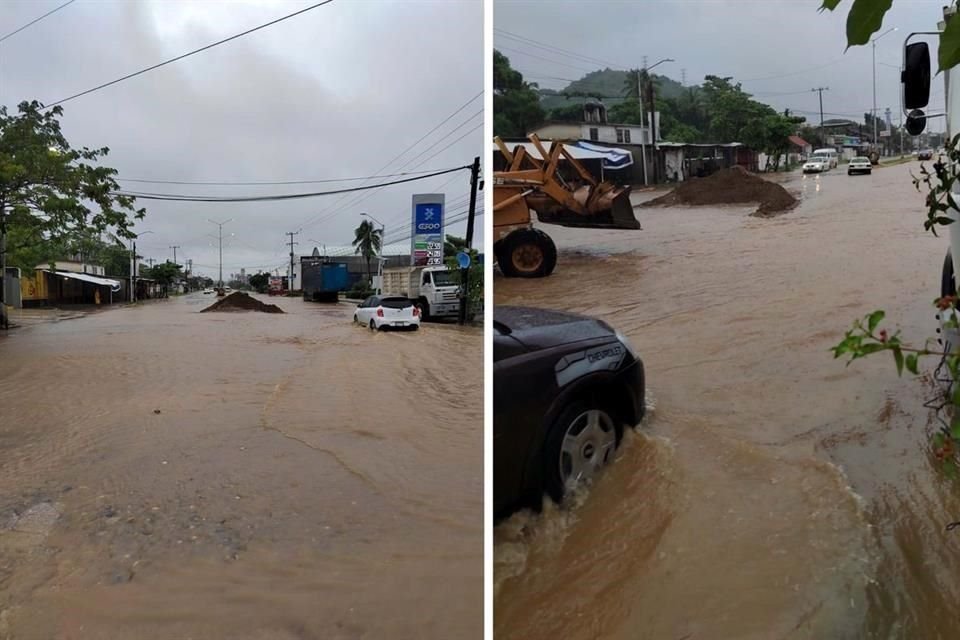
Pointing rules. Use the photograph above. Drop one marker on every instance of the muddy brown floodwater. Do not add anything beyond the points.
(771, 492)
(172, 474)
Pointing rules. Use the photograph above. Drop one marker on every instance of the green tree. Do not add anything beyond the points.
(164, 273)
(474, 277)
(453, 244)
(367, 243)
(51, 192)
(259, 281)
(567, 113)
(516, 105)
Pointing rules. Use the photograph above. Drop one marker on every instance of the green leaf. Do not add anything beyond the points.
(955, 429)
(944, 220)
(949, 52)
(829, 5)
(955, 397)
(867, 349)
(874, 319)
(950, 469)
(911, 363)
(939, 439)
(865, 19)
(898, 358)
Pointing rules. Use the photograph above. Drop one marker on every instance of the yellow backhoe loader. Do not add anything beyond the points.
(529, 184)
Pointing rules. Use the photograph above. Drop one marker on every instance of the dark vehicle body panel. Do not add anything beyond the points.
(543, 361)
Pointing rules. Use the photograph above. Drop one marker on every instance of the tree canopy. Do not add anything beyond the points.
(52, 194)
(367, 242)
(516, 105)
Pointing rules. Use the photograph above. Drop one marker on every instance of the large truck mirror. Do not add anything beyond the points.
(916, 122)
(916, 76)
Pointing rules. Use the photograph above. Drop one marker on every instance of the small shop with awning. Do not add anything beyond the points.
(68, 287)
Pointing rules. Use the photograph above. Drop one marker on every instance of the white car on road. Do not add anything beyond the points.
(816, 164)
(381, 312)
(860, 164)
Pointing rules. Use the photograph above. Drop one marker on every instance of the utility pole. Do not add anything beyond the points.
(220, 237)
(291, 234)
(820, 90)
(175, 247)
(683, 77)
(643, 144)
(465, 273)
(151, 261)
(3, 266)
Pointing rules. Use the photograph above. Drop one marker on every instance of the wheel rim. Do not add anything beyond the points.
(527, 258)
(588, 445)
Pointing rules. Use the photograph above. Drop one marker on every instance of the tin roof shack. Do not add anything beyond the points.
(683, 160)
(71, 288)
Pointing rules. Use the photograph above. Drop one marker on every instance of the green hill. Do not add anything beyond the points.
(606, 84)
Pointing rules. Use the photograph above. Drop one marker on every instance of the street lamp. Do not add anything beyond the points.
(380, 253)
(133, 265)
(653, 127)
(874, 44)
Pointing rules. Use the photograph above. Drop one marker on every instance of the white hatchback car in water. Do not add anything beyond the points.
(382, 312)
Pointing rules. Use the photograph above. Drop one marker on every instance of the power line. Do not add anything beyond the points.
(33, 22)
(270, 198)
(190, 53)
(558, 50)
(395, 158)
(227, 183)
(533, 55)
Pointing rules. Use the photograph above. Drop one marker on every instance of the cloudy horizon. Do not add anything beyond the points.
(336, 92)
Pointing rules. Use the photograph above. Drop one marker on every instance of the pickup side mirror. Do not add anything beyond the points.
(916, 76)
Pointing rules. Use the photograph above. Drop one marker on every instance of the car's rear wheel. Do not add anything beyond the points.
(581, 441)
(373, 325)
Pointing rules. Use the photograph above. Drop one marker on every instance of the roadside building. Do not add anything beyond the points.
(69, 282)
(682, 160)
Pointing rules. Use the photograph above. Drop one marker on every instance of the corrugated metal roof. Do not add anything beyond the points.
(106, 282)
(800, 142)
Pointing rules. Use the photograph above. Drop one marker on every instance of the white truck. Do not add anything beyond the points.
(432, 289)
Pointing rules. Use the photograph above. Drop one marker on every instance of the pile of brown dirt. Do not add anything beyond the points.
(240, 301)
(735, 185)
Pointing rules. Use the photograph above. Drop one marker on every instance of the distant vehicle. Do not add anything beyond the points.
(925, 154)
(382, 312)
(323, 280)
(564, 387)
(816, 164)
(208, 291)
(829, 154)
(431, 288)
(860, 164)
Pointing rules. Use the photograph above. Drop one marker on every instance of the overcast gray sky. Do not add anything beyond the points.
(772, 47)
(336, 92)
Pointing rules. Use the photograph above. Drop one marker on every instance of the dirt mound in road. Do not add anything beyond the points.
(730, 186)
(240, 301)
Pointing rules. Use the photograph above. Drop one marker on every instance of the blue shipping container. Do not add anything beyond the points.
(322, 281)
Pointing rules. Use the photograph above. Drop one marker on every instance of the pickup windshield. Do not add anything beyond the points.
(443, 279)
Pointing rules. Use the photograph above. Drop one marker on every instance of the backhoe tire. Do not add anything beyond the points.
(527, 253)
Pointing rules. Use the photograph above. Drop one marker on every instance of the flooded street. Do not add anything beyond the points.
(771, 492)
(171, 474)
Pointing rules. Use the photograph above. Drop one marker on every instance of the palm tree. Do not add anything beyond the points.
(367, 242)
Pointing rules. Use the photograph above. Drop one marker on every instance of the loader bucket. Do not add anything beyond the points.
(606, 207)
